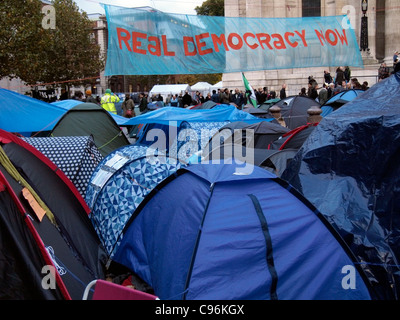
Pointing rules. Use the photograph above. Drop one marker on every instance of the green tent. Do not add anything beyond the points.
(90, 119)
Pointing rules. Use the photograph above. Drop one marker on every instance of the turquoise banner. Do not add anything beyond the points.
(150, 42)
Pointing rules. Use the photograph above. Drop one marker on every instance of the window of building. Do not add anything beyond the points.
(311, 8)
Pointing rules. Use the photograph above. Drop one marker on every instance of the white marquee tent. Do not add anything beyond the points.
(203, 87)
(165, 89)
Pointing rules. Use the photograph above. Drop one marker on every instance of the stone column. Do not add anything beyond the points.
(275, 111)
(232, 8)
(314, 114)
(254, 8)
(392, 29)
(371, 14)
(369, 56)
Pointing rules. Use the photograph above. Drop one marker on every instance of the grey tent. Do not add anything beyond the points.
(277, 161)
(294, 110)
(257, 135)
(206, 105)
(90, 119)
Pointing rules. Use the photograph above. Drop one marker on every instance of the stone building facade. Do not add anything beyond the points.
(383, 38)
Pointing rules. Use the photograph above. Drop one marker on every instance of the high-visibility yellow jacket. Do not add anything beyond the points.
(108, 102)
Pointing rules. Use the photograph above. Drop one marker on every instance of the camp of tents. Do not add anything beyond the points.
(207, 203)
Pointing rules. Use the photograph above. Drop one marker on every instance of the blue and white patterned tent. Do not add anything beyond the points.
(119, 184)
(193, 137)
(77, 156)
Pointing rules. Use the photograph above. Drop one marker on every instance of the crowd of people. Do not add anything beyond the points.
(331, 85)
(384, 70)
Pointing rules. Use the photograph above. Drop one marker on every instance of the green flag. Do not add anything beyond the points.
(249, 92)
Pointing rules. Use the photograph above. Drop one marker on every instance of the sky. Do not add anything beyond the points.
(168, 6)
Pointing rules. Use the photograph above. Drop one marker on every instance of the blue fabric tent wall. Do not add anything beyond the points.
(220, 113)
(217, 232)
(119, 184)
(343, 97)
(24, 115)
(181, 141)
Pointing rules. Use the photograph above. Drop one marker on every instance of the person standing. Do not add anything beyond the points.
(143, 103)
(89, 97)
(186, 99)
(327, 77)
(395, 57)
(339, 76)
(312, 89)
(282, 93)
(109, 100)
(64, 94)
(303, 92)
(225, 96)
(383, 72)
(238, 98)
(215, 96)
(128, 107)
(347, 74)
(180, 100)
(323, 94)
(174, 101)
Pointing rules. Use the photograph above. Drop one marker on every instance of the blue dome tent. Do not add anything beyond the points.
(342, 98)
(26, 115)
(227, 232)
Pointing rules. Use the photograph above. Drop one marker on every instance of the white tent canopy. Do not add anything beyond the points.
(201, 86)
(216, 86)
(166, 89)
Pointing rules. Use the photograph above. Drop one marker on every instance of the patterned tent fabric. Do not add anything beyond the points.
(118, 186)
(193, 136)
(77, 156)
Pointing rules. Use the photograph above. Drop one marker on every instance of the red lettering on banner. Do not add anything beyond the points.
(328, 34)
(200, 44)
(186, 47)
(247, 35)
(136, 44)
(320, 36)
(342, 37)
(141, 43)
(332, 37)
(237, 46)
(165, 48)
(279, 44)
(218, 41)
(264, 38)
(124, 38)
(302, 36)
(155, 49)
(292, 44)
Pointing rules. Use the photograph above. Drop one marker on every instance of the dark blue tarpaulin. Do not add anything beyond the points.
(349, 168)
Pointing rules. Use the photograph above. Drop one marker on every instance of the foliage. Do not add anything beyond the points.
(21, 37)
(211, 8)
(39, 55)
(72, 45)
